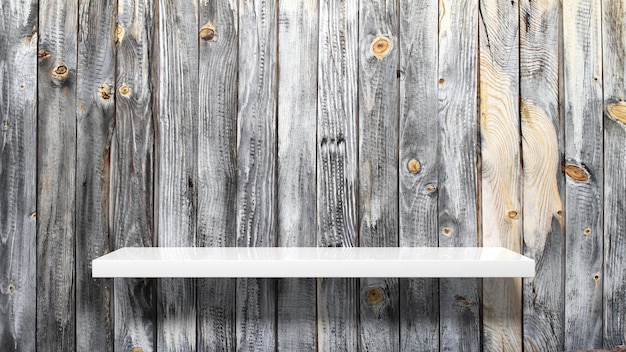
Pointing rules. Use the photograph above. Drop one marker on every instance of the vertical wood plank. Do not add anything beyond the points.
(614, 68)
(131, 207)
(458, 146)
(418, 167)
(217, 202)
(56, 174)
(256, 168)
(95, 117)
(501, 169)
(378, 167)
(543, 182)
(18, 157)
(175, 160)
(337, 167)
(582, 104)
(297, 127)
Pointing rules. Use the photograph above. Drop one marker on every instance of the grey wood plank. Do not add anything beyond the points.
(614, 80)
(297, 139)
(543, 182)
(337, 167)
(18, 166)
(582, 105)
(217, 202)
(418, 167)
(56, 174)
(175, 164)
(95, 118)
(500, 167)
(458, 147)
(131, 205)
(256, 168)
(378, 167)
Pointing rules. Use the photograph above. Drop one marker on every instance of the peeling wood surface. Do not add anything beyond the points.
(56, 176)
(217, 202)
(175, 164)
(256, 168)
(614, 80)
(418, 166)
(582, 108)
(131, 203)
(378, 167)
(337, 167)
(18, 168)
(297, 127)
(95, 118)
(458, 148)
(501, 168)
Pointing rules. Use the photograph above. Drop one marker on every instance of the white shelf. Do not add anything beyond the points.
(278, 262)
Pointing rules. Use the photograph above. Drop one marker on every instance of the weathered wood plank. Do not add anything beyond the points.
(256, 168)
(56, 171)
(175, 164)
(131, 207)
(542, 154)
(458, 146)
(501, 169)
(582, 104)
(337, 167)
(217, 202)
(18, 158)
(378, 167)
(297, 127)
(418, 168)
(95, 118)
(614, 68)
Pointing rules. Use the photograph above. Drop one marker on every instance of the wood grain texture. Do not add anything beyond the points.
(337, 167)
(256, 168)
(18, 158)
(582, 105)
(418, 136)
(458, 147)
(543, 182)
(175, 164)
(217, 202)
(56, 171)
(131, 205)
(614, 80)
(501, 168)
(95, 118)
(378, 167)
(297, 127)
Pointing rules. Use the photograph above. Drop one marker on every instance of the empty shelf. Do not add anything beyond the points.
(277, 262)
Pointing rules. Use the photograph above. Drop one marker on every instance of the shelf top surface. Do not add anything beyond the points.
(313, 262)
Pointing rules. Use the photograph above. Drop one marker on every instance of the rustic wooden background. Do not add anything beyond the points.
(312, 123)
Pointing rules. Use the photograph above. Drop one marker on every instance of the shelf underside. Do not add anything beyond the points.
(282, 262)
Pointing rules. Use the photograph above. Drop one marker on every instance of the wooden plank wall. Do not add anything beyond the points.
(312, 123)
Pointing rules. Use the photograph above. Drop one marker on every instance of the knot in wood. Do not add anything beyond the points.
(125, 90)
(207, 32)
(11, 288)
(374, 295)
(513, 214)
(105, 92)
(430, 188)
(596, 277)
(119, 34)
(587, 231)
(33, 216)
(136, 349)
(60, 72)
(381, 46)
(414, 166)
(446, 231)
(42, 54)
(576, 173)
(617, 111)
